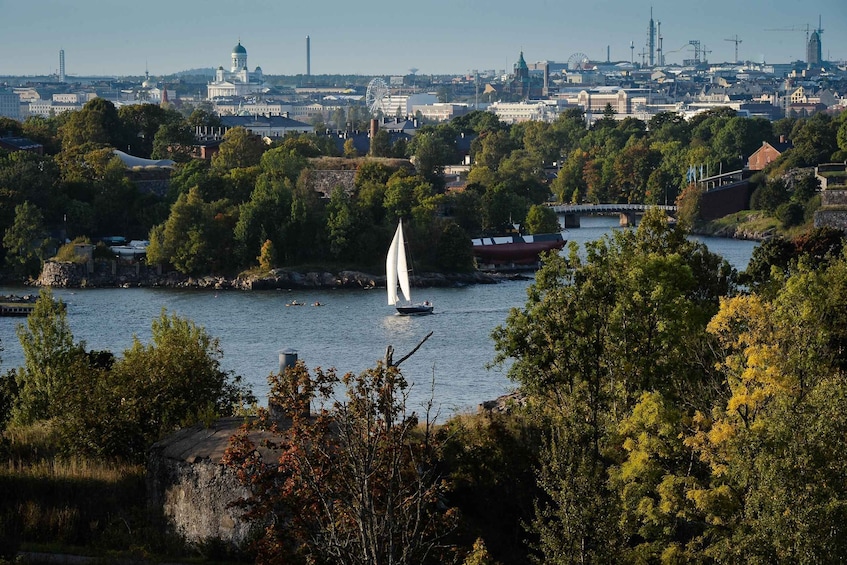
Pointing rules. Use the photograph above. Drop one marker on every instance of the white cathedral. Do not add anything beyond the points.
(239, 81)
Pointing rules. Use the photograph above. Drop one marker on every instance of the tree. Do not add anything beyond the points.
(354, 483)
(267, 256)
(541, 219)
(239, 149)
(185, 239)
(594, 335)
(49, 354)
(97, 122)
(24, 241)
(119, 408)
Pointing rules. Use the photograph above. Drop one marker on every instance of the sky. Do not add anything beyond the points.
(381, 37)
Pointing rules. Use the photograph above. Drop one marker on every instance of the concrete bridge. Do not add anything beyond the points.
(629, 213)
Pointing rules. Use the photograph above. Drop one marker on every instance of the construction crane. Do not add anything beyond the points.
(735, 40)
(806, 28)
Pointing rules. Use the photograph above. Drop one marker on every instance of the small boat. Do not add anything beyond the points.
(294, 303)
(397, 273)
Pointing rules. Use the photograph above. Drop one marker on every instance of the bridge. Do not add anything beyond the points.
(628, 213)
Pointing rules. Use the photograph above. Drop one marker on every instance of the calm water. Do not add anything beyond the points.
(350, 331)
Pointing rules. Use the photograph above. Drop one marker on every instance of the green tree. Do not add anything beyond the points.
(594, 335)
(541, 219)
(240, 149)
(97, 122)
(190, 238)
(49, 353)
(24, 241)
(173, 140)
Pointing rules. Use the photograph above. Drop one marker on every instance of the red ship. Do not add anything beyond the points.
(514, 250)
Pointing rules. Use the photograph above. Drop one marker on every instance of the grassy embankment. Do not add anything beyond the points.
(54, 504)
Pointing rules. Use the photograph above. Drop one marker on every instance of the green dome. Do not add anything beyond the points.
(239, 49)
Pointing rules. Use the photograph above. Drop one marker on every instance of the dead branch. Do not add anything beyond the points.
(389, 353)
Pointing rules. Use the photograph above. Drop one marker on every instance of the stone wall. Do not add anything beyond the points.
(325, 181)
(187, 482)
(834, 198)
(832, 219)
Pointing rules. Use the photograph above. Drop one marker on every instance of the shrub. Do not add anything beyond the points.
(790, 214)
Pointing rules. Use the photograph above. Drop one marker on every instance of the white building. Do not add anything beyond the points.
(440, 111)
(404, 103)
(47, 108)
(239, 81)
(529, 110)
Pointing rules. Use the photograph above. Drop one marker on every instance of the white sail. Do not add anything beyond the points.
(391, 267)
(396, 268)
(402, 267)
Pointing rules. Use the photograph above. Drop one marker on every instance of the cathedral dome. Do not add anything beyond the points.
(239, 49)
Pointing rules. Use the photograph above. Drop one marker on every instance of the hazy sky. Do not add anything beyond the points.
(380, 37)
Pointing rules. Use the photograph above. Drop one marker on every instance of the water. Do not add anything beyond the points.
(350, 331)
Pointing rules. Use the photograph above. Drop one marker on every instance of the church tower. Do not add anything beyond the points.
(239, 58)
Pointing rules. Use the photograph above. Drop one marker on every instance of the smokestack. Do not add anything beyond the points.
(308, 57)
(287, 360)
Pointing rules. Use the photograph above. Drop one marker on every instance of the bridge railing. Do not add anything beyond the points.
(607, 208)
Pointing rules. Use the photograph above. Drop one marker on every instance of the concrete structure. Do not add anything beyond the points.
(238, 81)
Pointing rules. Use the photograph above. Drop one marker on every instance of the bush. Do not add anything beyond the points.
(67, 254)
(790, 214)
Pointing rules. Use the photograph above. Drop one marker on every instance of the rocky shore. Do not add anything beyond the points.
(109, 274)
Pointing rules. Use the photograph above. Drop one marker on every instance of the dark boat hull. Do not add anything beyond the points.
(515, 250)
(415, 310)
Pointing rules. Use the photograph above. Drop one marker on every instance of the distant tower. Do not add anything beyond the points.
(308, 57)
(813, 50)
(660, 58)
(631, 53)
(651, 39)
(165, 100)
(61, 65)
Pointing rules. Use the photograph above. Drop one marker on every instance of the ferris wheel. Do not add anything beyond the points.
(577, 61)
(375, 95)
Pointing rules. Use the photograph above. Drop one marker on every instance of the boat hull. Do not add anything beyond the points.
(515, 250)
(414, 310)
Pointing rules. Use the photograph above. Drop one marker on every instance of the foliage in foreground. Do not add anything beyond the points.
(117, 407)
(354, 483)
(681, 421)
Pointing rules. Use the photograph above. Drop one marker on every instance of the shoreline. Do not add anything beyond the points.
(111, 274)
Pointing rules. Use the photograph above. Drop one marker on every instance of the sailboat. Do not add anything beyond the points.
(397, 272)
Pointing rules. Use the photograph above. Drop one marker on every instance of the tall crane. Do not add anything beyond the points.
(735, 40)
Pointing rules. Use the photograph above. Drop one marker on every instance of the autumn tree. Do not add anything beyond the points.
(354, 482)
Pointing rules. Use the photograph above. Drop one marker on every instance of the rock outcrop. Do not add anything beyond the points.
(99, 274)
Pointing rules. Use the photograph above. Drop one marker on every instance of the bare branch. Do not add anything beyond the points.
(412, 352)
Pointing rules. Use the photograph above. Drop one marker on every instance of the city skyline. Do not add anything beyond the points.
(390, 38)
